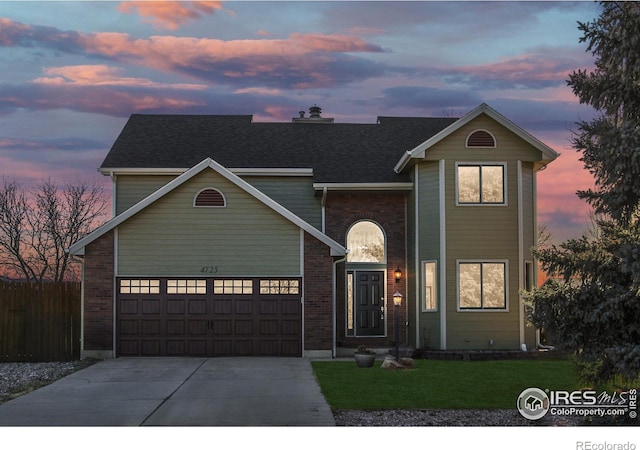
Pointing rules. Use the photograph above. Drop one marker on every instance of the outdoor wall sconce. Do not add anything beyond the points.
(398, 274)
(397, 301)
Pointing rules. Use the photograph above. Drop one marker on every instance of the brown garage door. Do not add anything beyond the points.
(209, 317)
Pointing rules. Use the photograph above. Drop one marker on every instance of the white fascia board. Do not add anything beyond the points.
(78, 247)
(363, 186)
(110, 171)
(418, 152)
(272, 172)
(242, 171)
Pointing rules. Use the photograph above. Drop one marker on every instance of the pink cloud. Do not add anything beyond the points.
(259, 91)
(299, 60)
(11, 32)
(542, 67)
(166, 51)
(99, 99)
(170, 14)
(102, 75)
(535, 66)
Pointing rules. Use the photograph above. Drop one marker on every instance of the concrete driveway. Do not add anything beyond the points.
(178, 392)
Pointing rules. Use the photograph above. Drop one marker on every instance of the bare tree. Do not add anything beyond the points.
(37, 227)
(544, 239)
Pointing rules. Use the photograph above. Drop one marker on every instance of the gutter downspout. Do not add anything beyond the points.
(334, 306)
(324, 202)
(81, 337)
(113, 193)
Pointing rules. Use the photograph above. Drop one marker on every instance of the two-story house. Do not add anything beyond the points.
(234, 237)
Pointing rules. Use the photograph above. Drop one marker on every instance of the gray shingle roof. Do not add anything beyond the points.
(337, 152)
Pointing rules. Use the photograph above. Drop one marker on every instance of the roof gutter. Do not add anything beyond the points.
(399, 186)
(406, 157)
(240, 171)
(111, 171)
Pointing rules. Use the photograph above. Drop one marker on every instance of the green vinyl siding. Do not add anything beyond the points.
(172, 238)
(509, 145)
(294, 193)
(130, 189)
(477, 233)
(482, 233)
(429, 245)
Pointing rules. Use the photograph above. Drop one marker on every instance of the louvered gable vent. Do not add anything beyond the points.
(481, 138)
(211, 198)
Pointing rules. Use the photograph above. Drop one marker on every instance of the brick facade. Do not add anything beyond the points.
(389, 211)
(318, 295)
(98, 295)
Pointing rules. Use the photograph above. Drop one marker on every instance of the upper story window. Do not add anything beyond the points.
(481, 138)
(480, 184)
(210, 198)
(365, 241)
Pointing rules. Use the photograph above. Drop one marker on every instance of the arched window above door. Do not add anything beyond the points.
(366, 243)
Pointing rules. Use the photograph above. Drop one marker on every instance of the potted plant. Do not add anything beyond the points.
(364, 357)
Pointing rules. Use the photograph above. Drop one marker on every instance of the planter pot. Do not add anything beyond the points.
(364, 359)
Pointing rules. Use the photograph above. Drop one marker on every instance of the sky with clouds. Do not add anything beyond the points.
(73, 72)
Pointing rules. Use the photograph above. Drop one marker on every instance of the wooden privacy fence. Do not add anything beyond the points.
(39, 322)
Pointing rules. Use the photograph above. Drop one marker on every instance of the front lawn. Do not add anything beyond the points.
(440, 384)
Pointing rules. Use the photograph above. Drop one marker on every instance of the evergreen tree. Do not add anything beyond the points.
(594, 308)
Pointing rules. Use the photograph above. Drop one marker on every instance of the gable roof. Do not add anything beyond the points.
(336, 152)
(418, 152)
(78, 247)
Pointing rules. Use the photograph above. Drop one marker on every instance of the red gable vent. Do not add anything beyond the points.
(211, 198)
(481, 138)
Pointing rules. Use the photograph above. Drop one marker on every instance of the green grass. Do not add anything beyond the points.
(440, 384)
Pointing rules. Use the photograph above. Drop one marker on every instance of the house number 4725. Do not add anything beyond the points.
(209, 269)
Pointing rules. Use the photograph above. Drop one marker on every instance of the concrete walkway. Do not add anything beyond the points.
(178, 392)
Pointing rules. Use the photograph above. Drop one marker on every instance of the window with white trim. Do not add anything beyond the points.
(139, 286)
(233, 287)
(480, 184)
(482, 285)
(429, 302)
(528, 276)
(366, 243)
(186, 286)
(350, 305)
(279, 287)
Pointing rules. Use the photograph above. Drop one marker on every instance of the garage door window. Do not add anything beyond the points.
(186, 286)
(233, 287)
(139, 286)
(279, 287)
